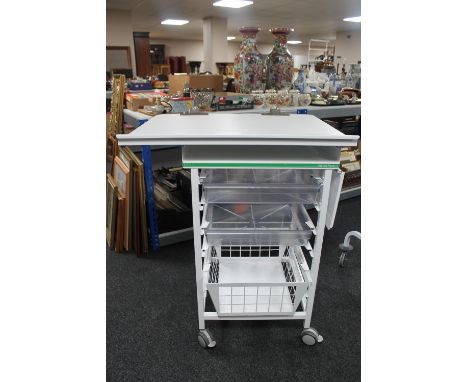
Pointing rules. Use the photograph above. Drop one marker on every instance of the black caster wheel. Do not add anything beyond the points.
(310, 336)
(206, 339)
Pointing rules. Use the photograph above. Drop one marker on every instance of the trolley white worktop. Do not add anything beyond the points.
(237, 129)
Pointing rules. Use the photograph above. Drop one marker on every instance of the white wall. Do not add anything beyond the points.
(193, 50)
(119, 31)
(348, 45)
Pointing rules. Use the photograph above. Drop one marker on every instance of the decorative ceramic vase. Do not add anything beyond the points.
(304, 99)
(279, 62)
(300, 82)
(258, 98)
(294, 93)
(284, 98)
(248, 63)
(270, 98)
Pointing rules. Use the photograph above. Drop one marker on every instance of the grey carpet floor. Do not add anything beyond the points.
(152, 321)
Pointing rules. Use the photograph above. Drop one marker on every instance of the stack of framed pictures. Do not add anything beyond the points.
(127, 227)
(111, 213)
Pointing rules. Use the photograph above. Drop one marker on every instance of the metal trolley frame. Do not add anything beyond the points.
(274, 275)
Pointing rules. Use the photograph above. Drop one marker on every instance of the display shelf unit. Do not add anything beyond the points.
(259, 264)
(350, 192)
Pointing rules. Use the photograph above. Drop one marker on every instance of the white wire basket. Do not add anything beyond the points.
(263, 281)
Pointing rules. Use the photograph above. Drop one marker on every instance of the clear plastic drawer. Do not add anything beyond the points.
(261, 186)
(257, 224)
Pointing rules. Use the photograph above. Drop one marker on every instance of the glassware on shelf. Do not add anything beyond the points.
(279, 63)
(202, 99)
(248, 63)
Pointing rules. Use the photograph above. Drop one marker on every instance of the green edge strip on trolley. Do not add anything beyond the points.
(265, 165)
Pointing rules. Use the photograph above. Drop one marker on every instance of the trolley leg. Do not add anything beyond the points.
(320, 228)
(198, 248)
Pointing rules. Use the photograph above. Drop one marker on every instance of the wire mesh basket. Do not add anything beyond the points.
(256, 280)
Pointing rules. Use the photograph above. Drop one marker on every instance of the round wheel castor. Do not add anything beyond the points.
(206, 339)
(310, 336)
(342, 259)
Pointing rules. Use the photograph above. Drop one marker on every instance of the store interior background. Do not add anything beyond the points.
(320, 20)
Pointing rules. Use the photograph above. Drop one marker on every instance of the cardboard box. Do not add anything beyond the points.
(195, 81)
(137, 101)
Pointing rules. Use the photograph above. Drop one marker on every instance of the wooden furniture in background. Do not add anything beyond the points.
(158, 54)
(225, 68)
(161, 69)
(142, 53)
(195, 81)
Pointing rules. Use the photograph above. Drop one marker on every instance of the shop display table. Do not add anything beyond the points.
(251, 175)
(135, 118)
(318, 111)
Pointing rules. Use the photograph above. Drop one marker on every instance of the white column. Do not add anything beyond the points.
(215, 45)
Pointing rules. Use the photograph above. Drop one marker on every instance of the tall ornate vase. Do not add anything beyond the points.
(248, 64)
(279, 62)
(300, 82)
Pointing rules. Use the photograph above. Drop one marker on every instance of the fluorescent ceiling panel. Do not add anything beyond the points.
(356, 19)
(174, 22)
(232, 3)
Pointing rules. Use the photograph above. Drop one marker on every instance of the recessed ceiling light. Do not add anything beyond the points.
(232, 3)
(174, 22)
(231, 38)
(356, 19)
(294, 42)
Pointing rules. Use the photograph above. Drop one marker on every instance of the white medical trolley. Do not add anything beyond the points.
(253, 178)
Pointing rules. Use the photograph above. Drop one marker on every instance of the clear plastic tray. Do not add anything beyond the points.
(261, 186)
(257, 224)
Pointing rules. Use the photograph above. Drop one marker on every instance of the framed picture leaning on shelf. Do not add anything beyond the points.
(111, 210)
(122, 178)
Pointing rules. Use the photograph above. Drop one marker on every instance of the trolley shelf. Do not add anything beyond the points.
(261, 186)
(257, 224)
(256, 285)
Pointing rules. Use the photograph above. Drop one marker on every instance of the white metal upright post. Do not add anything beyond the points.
(322, 216)
(197, 244)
